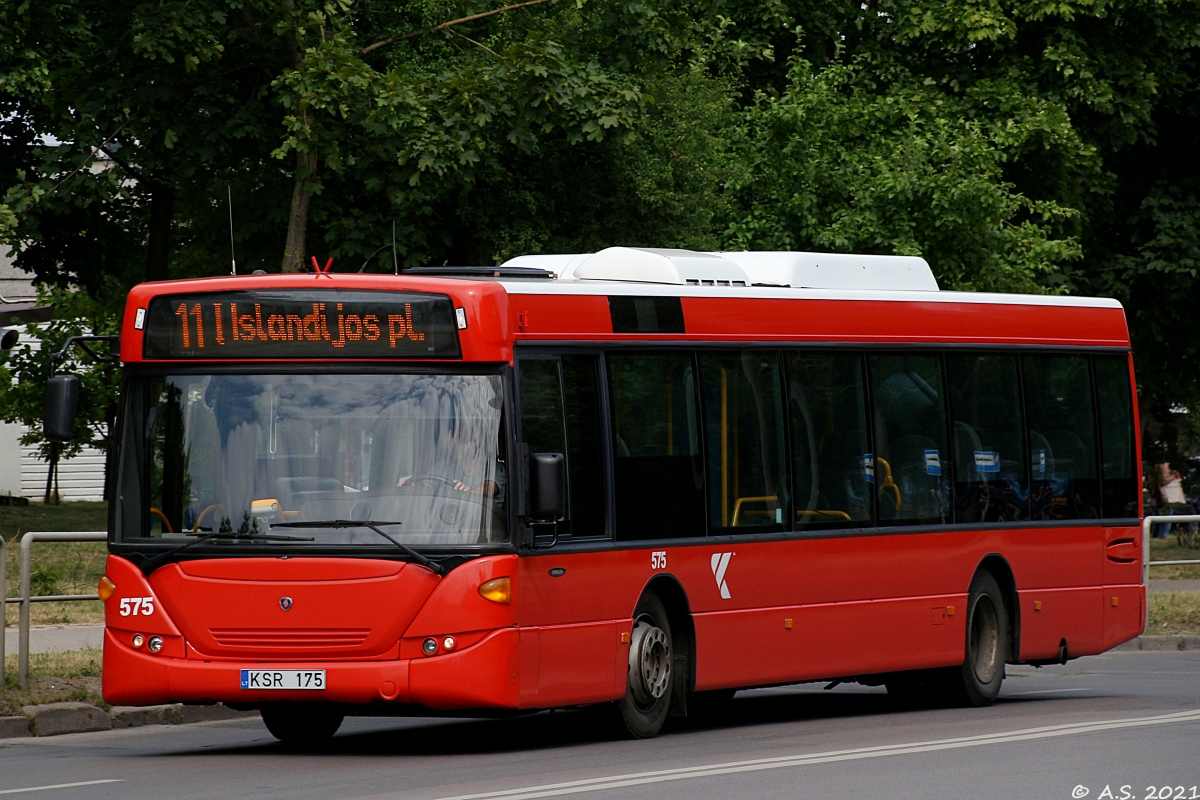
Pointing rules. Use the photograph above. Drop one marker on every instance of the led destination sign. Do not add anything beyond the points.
(301, 324)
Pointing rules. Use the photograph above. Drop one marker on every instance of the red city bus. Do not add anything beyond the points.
(634, 477)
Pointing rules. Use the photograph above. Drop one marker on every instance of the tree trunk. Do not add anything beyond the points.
(306, 168)
(158, 245)
(297, 233)
(51, 475)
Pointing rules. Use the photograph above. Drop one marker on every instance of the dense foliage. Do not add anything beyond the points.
(1038, 145)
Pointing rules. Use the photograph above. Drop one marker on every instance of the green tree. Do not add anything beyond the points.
(1028, 146)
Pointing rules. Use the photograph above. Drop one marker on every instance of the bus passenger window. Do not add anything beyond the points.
(990, 475)
(657, 465)
(1062, 438)
(827, 409)
(1118, 457)
(560, 414)
(744, 437)
(911, 461)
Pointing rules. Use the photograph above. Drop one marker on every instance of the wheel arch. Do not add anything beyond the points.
(1000, 569)
(674, 598)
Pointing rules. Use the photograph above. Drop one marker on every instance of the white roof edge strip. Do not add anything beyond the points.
(596, 288)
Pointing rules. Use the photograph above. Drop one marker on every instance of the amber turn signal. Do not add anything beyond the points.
(105, 587)
(498, 590)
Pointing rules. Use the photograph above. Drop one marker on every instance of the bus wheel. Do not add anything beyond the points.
(643, 709)
(301, 724)
(977, 681)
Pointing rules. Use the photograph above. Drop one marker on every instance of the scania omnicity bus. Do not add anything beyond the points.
(640, 478)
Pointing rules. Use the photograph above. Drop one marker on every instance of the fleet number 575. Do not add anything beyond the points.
(137, 606)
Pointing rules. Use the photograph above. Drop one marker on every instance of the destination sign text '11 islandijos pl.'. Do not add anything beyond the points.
(301, 324)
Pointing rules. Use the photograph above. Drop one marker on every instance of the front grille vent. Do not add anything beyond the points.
(290, 638)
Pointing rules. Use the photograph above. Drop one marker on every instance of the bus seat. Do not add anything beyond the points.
(888, 490)
(1038, 442)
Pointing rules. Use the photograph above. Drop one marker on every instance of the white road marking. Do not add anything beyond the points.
(1047, 691)
(733, 767)
(60, 786)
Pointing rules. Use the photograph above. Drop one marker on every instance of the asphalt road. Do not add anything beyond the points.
(1125, 722)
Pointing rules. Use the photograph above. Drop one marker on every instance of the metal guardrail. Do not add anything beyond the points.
(3, 605)
(1146, 523)
(26, 597)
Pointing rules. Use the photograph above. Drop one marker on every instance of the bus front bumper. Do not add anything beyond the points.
(483, 675)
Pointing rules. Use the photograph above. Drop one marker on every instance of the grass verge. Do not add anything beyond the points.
(1173, 613)
(53, 678)
(58, 567)
(75, 516)
(1171, 550)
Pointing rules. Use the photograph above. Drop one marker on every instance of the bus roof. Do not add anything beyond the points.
(715, 297)
(757, 274)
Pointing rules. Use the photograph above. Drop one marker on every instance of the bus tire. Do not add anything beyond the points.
(644, 708)
(301, 724)
(977, 681)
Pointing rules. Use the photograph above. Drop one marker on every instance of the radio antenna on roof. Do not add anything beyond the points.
(232, 257)
(395, 261)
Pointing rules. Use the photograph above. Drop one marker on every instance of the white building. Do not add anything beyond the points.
(22, 473)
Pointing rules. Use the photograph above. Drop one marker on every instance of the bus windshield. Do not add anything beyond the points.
(205, 453)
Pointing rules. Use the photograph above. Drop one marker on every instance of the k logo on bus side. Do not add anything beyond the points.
(720, 563)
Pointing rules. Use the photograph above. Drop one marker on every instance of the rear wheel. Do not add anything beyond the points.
(977, 681)
(643, 710)
(302, 725)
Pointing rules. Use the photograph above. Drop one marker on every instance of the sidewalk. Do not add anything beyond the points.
(55, 638)
(1173, 586)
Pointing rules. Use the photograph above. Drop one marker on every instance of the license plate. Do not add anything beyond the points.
(289, 679)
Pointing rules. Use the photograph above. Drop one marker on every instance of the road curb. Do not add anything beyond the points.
(55, 719)
(1160, 643)
(12, 727)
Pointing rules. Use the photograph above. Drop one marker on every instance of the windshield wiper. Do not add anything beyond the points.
(424, 561)
(162, 558)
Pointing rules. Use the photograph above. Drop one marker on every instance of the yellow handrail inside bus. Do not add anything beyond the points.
(825, 513)
(725, 450)
(737, 506)
(887, 482)
(166, 522)
(203, 514)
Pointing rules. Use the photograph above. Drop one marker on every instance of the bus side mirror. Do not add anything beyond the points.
(547, 486)
(62, 404)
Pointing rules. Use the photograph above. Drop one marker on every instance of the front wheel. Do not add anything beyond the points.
(643, 709)
(301, 725)
(977, 681)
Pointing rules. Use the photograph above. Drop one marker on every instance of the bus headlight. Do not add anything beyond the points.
(429, 646)
(155, 644)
